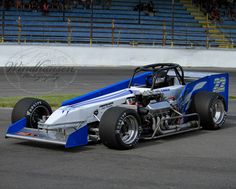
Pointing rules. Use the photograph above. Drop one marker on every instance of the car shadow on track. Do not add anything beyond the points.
(56, 147)
(145, 143)
(142, 143)
(93, 145)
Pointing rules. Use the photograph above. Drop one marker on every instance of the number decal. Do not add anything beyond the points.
(219, 84)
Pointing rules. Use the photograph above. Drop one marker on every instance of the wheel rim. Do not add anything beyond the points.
(129, 129)
(37, 114)
(218, 111)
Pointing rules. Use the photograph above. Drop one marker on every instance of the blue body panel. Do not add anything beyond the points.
(78, 138)
(140, 80)
(218, 83)
(17, 126)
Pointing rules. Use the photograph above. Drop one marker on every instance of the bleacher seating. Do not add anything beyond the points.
(227, 25)
(119, 25)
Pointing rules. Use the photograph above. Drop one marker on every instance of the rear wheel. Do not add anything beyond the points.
(31, 108)
(211, 109)
(120, 128)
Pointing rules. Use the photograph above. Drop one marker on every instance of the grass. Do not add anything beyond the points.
(232, 97)
(54, 100)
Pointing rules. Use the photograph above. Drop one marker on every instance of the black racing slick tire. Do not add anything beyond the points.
(120, 128)
(211, 109)
(31, 108)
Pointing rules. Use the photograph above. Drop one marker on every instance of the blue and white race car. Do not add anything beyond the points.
(158, 100)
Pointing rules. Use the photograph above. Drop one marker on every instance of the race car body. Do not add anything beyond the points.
(158, 100)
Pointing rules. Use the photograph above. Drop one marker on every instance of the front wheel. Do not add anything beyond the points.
(211, 109)
(33, 109)
(120, 128)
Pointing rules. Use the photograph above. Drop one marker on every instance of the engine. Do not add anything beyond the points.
(152, 108)
(159, 115)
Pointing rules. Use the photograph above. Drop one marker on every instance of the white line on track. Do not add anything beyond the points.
(3, 108)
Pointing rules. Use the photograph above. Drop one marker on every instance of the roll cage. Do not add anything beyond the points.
(158, 69)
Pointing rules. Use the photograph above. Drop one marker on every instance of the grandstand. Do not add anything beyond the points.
(180, 24)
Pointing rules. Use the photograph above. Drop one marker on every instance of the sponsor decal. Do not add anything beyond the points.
(26, 134)
(105, 106)
(219, 84)
(165, 90)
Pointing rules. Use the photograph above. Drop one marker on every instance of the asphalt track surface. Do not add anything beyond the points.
(200, 159)
(78, 81)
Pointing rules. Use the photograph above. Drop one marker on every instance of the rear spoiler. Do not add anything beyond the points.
(198, 75)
